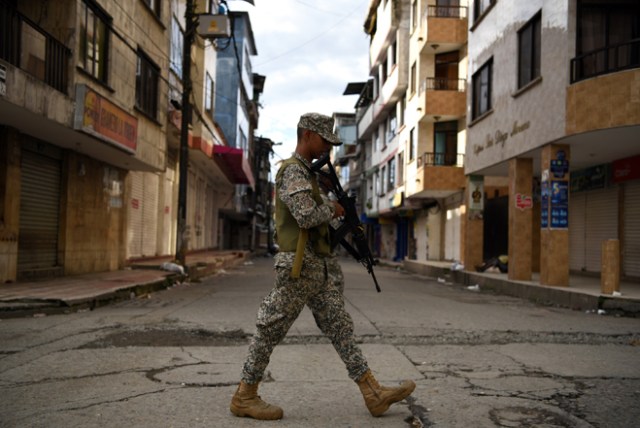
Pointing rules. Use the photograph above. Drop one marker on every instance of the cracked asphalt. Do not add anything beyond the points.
(173, 359)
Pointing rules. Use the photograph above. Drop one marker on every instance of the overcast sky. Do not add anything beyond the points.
(308, 51)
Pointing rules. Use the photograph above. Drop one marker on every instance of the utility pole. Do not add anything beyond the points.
(189, 35)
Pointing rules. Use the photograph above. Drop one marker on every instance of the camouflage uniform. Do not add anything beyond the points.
(319, 286)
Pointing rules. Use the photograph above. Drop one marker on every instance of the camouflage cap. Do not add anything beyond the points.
(320, 124)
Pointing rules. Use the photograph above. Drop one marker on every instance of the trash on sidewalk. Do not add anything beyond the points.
(474, 287)
(616, 293)
(441, 280)
(456, 265)
(172, 267)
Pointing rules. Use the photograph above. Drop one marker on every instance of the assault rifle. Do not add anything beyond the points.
(351, 221)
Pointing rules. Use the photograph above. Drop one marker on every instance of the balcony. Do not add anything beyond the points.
(610, 59)
(445, 26)
(438, 175)
(27, 46)
(443, 97)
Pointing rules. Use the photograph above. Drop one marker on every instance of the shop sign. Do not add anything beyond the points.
(560, 165)
(591, 178)
(476, 195)
(523, 202)
(99, 117)
(626, 169)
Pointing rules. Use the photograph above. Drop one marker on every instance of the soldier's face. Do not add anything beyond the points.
(320, 145)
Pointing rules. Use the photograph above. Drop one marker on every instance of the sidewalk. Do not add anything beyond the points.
(90, 290)
(583, 292)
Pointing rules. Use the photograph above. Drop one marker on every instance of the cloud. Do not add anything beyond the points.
(309, 51)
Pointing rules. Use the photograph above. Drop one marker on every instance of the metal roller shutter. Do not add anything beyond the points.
(631, 250)
(601, 224)
(593, 218)
(150, 212)
(577, 230)
(39, 212)
(135, 217)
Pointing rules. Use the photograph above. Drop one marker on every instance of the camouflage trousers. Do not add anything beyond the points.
(322, 293)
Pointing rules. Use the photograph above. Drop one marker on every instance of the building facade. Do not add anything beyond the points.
(237, 114)
(379, 115)
(90, 119)
(83, 104)
(435, 131)
(554, 119)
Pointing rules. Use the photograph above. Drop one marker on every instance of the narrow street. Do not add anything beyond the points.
(173, 359)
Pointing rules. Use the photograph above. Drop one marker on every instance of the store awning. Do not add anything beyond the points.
(233, 164)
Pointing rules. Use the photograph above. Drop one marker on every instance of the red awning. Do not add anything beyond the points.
(234, 165)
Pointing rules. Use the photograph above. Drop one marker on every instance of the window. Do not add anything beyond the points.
(177, 45)
(400, 179)
(413, 144)
(376, 141)
(93, 52)
(393, 52)
(481, 97)
(403, 106)
(445, 140)
(607, 38)
(529, 51)
(412, 83)
(392, 128)
(154, 5)
(383, 182)
(147, 76)
(414, 15)
(209, 93)
(391, 167)
(480, 7)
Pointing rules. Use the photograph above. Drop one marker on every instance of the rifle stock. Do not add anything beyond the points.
(351, 223)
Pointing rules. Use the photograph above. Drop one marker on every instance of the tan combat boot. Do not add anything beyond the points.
(247, 402)
(379, 398)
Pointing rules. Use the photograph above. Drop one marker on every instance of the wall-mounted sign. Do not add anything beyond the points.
(626, 169)
(559, 205)
(560, 165)
(104, 120)
(523, 202)
(476, 193)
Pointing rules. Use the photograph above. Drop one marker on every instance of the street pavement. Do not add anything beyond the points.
(172, 358)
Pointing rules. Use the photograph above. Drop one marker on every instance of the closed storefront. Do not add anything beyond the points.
(143, 215)
(39, 211)
(593, 218)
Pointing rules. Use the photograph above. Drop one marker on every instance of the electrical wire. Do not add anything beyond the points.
(316, 37)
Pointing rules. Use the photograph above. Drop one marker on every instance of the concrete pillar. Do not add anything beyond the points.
(474, 224)
(554, 234)
(610, 274)
(520, 218)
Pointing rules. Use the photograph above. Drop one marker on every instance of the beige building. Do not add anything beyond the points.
(435, 133)
(553, 121)
(89, 135)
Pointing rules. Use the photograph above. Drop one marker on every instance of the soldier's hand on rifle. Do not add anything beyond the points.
(339, 211)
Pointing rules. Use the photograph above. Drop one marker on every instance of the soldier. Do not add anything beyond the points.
(307, 274)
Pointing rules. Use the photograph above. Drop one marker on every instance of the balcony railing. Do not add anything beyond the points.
(441, 159)
(459, 12)
(27, 46)
(443, 84)
(610, 59)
